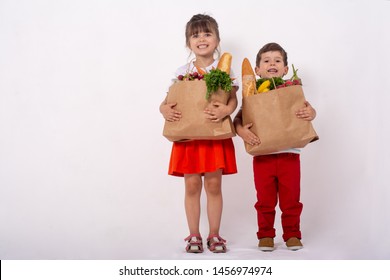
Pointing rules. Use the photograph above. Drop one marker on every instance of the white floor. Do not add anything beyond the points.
(127, 234)
(129, 242)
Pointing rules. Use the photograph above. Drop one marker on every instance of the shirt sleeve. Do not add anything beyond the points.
(233, 76)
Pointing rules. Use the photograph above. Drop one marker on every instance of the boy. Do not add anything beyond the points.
(277, 175)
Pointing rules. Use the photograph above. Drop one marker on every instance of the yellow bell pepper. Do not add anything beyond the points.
(264, 87)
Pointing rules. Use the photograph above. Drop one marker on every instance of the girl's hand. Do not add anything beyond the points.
(247, 135)
(169, 112)
(307, 113)
(217, 111)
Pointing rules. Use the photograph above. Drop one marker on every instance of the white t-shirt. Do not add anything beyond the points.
(190, 67)
(292, 150)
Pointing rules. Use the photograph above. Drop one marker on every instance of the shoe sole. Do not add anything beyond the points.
(295, 248)
(267, 249)
(194, 249)
(218, 249)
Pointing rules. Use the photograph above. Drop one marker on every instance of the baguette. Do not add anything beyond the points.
(225, 63)
(248, 79)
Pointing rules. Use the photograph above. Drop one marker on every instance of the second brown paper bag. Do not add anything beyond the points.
(274, 120)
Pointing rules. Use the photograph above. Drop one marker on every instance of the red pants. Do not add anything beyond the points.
(278, 175)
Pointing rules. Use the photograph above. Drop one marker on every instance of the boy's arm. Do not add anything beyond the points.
(243, 130)
(307, 113)
(237, 121)
(232, 102)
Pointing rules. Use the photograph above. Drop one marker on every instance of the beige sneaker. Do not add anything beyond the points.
(266, 244)
(294, 244)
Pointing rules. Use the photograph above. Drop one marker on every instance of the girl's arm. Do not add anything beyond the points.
(220, 110)
(169, 112)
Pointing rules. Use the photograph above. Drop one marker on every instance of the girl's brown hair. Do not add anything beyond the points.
(201, 23)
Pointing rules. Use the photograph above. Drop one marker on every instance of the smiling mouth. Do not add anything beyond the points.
(272, 70)
(203, 46)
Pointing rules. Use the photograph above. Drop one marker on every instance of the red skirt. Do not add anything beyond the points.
(201, 156)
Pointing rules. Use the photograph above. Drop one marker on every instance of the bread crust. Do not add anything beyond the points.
(225, 62)
(248, 79)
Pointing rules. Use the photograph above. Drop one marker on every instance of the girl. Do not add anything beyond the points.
(208, 159)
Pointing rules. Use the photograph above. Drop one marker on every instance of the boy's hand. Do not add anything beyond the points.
(169, 113)
(217, 111)
(307, 113)
(247, 135)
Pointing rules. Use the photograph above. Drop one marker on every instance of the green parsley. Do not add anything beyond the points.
(217, 79)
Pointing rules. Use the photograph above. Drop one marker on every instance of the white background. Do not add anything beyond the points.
(83, 163)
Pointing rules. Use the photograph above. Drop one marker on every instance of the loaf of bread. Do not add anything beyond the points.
(225, 62)
(248, 79)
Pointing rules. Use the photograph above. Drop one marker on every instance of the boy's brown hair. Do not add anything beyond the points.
(271, 47)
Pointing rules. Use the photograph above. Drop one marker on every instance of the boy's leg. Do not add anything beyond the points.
(289, 194)
(264, 168)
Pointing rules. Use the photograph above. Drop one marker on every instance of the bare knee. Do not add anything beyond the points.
(193, 185)
(212, 184)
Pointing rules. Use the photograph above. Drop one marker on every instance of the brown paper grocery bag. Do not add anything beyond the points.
(190, 97)
(274, 120)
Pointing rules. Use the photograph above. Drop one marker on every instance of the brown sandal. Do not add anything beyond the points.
(216, 244)
(195, 244)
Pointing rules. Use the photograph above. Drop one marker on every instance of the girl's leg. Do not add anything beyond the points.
(193, 189)
(212, 184)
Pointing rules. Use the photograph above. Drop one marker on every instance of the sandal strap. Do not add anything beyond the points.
(189, 237)
(194, 240)
(220, 239)
(195, 243)
(216, 244)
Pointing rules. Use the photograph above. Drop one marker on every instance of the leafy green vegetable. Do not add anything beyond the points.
(217, 79)
(276, 81)
(295, 74)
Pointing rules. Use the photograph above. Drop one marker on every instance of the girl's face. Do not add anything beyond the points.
(203, 44)
(271, 65)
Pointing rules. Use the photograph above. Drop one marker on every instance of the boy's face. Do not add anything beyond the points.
(271, 65)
